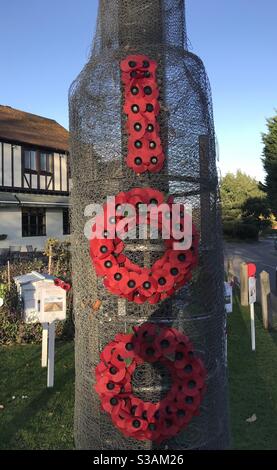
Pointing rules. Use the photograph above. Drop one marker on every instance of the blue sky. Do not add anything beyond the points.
(44, 45)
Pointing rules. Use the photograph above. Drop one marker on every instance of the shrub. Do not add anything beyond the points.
(241, 230)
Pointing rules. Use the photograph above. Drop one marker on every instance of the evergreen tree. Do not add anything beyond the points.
(270, 162)
(242, 198)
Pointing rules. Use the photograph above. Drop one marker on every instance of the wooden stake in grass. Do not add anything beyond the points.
(265, 293)
(230, 270)
(9, 276)
(244, 284)
(50, 259)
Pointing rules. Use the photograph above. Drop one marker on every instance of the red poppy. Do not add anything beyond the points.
(156, 162)
(106, 386)
(166, 341)
(111, 404)
(164, 281)
(154, 299)
(135, 109)
(136, 163)
(101, 248)
(130, 282)
(148, 284)
(146, 330)
(138, 62)
(139, 298)
(137, 128)
(181, 259)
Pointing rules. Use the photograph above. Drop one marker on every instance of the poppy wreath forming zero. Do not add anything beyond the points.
(126, 279)
(145, 152)
(152, 343)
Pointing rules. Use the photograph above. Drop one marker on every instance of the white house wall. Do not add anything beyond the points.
(11, 225)
(17, 165)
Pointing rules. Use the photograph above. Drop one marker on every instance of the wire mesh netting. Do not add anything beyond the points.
(155, 28)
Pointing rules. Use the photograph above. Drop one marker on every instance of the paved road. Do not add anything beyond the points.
(261, 253)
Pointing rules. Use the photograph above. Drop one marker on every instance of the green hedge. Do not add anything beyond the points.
(243, 231)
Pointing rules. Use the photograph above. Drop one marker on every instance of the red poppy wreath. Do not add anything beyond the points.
(126, 279)
(145, 152)
(152, 343)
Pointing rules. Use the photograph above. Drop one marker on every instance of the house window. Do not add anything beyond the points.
(36, 161)
(66, 222)
(33, 222)
(46, 162)
(30, 161)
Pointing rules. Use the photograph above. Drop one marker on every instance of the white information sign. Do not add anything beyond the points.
(252, 290)
(228, 294)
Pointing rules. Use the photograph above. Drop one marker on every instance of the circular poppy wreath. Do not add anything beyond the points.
(152, 343)
(126, 279)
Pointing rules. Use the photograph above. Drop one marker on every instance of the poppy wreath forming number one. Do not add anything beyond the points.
(145, 152)
(126, 279)
(152, 343)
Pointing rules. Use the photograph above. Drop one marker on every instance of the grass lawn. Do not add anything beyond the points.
(44, 420)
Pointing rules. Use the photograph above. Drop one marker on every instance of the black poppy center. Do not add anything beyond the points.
(181, 413)
(146, 285)
(114, 401)
(132, 64)
(129, 346)
(149, 107)
(103, 249)
(154, 160)
(174, 271)
(179, 356)
(108, 264)
(188, 368)
(136, 423)
(150, 352)
(182, 257)
(162, 281)
(192, 384)
(131, 284)
(164, 343)
(110, 386)
(118, 276)
(145, 64)
(138, 161)
(134, 90)
(137, 126)
(148, 90)
(152, 427)
(135, 108)
(138, 144)
(152, 145)
(150, 127)
(189, 400)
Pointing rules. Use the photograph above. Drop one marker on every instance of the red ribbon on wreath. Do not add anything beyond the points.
(152, 343)
(126, 279)
(145, 152)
